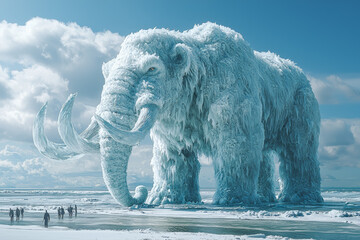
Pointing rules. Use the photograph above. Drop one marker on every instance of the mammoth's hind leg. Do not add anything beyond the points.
(266, 178)
(176, 177)
(299, 166)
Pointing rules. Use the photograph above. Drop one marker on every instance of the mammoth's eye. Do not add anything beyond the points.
(151, 69)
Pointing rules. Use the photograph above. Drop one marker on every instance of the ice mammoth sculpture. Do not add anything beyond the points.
(202, 91)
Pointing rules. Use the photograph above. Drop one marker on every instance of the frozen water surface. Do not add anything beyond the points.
(100, 217)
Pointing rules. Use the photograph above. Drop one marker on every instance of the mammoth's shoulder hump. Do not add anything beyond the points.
(153, 36)
(275, 61)
(211, 32)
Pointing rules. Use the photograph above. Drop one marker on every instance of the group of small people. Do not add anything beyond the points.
(71, 210)
(61, 212)
(17, 213)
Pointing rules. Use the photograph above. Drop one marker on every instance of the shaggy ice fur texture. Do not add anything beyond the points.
(205, 91)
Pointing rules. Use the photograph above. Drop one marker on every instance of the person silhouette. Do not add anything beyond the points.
(11, 215)
(75, 210)
(70, 210)
(22, 212)
(46, 219)
(59, 212)
(62, 212)
(17, 213)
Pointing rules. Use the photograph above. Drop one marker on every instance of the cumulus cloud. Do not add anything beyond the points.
(21, 159)
(46, 60)
(54, 43)
(340, 143)
(334, 90)
(339, 138)
(22, 166)
(336, 132)
(33, 166)
(8, 164)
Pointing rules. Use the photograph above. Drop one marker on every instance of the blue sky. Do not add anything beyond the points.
(318, 35)
(49, 49)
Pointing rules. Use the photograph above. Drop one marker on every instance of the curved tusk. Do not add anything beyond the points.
(143, 125)
(68, 134)
(46, 147)
(92, 131)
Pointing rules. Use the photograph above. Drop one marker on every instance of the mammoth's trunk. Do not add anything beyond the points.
(117, 111)
(114, 161)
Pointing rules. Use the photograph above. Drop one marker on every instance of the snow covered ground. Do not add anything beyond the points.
(38, 233)
(101, 218)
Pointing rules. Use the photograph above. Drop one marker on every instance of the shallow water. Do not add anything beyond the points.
(337, 218)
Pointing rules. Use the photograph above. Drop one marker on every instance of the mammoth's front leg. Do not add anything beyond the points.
(176, 176)
(237, 154)
(236, 173)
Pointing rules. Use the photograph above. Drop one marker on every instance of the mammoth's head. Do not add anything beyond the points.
(149, 71)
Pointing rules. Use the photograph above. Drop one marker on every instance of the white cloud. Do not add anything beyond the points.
(28, 89)
(33, 166)
(7, 151)
(46, 60)
(41, 40)
(336, 132)
(22, 160)
(339, 138)
(340, 143)
(334, 90)
(8, 164)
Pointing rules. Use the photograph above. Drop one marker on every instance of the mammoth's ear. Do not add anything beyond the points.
(181, 57)
(106, 67)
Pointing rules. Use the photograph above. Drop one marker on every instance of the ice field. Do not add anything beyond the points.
(100, 217)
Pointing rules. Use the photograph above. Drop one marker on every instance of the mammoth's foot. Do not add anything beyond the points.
(301, 197)
(167, 196)
(160, 198)
(231, 197)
